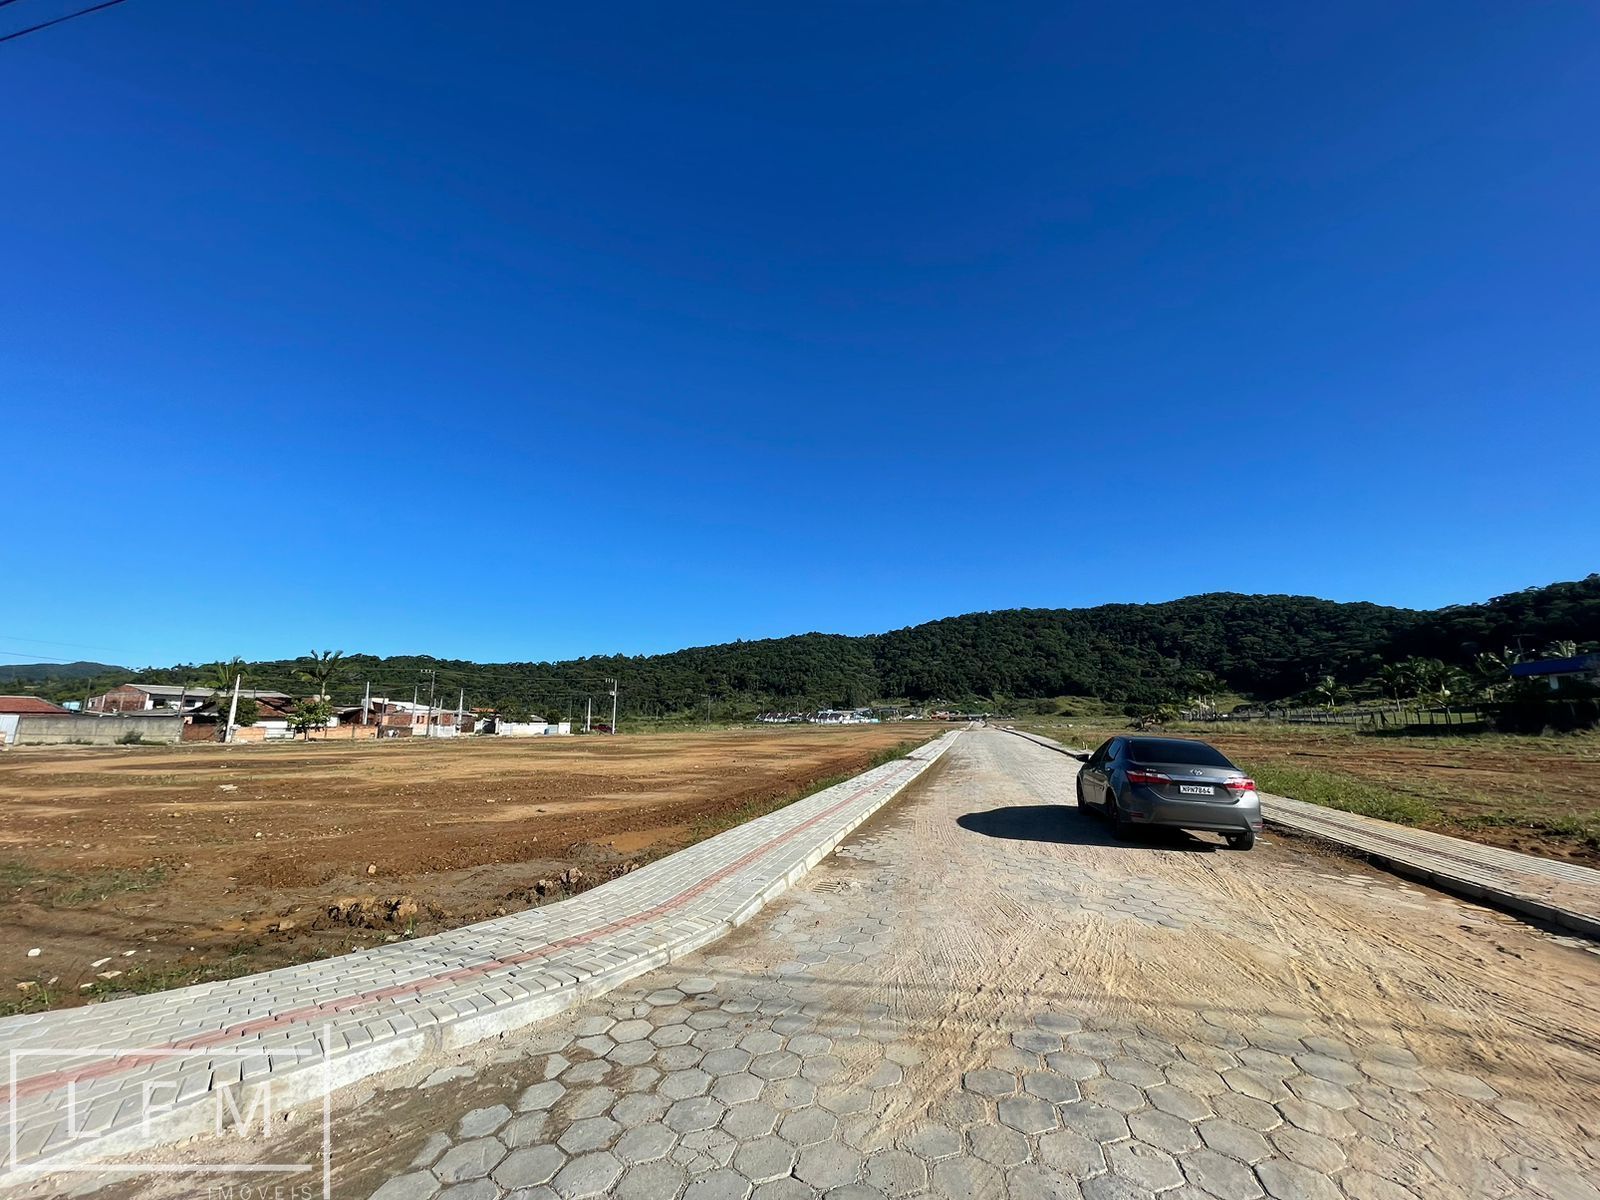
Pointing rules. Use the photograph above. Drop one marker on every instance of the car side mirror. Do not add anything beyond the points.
(1081, 757)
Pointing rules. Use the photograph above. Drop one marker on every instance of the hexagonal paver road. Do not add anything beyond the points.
(982, 994)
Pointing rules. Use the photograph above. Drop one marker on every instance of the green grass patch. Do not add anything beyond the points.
(15, 874)
(1441, 809)
(135, 981)
(67, 889)
(1343, 792)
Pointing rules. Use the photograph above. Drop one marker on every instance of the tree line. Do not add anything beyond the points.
(1263, 648)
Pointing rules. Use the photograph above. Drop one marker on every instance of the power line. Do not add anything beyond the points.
(34, 654)
(82, 12)
(11, 637)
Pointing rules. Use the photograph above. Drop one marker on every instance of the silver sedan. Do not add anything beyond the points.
(1176, 782)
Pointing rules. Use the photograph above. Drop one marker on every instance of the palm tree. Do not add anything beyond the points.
(1454, 685)
(1431, 680)
(1328, 691)
(323, 668)
(1491, 671)
(1564, 648)
(219, 676)
(1424, 677)
(1394, 679)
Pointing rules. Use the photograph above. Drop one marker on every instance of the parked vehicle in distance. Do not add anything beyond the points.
(1177, 782)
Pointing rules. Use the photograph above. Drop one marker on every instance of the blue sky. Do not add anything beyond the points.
(504, 331)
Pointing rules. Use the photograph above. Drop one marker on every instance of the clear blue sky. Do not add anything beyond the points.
(514, 331)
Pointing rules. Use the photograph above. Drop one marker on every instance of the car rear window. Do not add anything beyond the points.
(1163, 750)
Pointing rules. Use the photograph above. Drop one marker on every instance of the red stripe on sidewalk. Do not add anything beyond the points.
(39, 1084)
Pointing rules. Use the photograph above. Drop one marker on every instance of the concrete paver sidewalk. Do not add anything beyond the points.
(298, 1029)
(1561, 893)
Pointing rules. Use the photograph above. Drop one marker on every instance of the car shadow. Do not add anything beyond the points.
(1073, 826)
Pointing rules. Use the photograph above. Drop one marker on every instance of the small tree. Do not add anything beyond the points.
(309, 715)
(1149, 716)
(248, 714)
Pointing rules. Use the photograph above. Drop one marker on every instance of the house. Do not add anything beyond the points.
(844, 716)
(1583, 668)
(533, 727)
(272, 719)
(403, 718)
(16, 705)
(13, 708)
(148, 697)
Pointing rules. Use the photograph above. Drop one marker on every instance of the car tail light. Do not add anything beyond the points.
(1240, 784)
(1140, 775)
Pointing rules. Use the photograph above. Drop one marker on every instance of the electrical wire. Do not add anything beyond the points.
(82, 12)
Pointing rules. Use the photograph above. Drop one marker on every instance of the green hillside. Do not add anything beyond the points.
(1263, 647)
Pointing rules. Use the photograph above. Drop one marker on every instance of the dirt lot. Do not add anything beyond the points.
(1537, 795)
(134, 869)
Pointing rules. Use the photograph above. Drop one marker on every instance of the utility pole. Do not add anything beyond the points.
(366, 704)
(233, 709)
(588, 711)
(433, 678)
(613, 683)
(461, 703)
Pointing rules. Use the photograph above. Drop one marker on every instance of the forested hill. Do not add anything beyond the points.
(1264, 647)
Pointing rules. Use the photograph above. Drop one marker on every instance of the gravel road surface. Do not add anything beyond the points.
(983, 995)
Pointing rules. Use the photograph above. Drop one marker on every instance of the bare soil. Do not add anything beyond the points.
(141, 868)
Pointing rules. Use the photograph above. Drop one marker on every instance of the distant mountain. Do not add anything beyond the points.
(1263, 647)
(30, 672)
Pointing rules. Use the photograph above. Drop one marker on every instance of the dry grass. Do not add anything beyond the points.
(1540, 795)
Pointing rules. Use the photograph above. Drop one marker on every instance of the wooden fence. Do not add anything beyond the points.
(1389, 716)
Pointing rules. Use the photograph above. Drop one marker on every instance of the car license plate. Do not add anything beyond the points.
(1193, 789)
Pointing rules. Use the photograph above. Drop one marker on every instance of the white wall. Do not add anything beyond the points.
(519, 729)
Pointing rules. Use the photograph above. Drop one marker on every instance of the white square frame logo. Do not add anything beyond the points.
(68, 1164)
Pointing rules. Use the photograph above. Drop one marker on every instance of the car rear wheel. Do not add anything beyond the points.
(1121, 827)
(1242, 841)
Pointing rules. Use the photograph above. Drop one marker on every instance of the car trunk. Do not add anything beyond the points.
(1185, 781)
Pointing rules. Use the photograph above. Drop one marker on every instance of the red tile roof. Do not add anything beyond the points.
(28, 704)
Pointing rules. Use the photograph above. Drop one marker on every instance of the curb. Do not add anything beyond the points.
(1556, 893)
(296, 1033)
